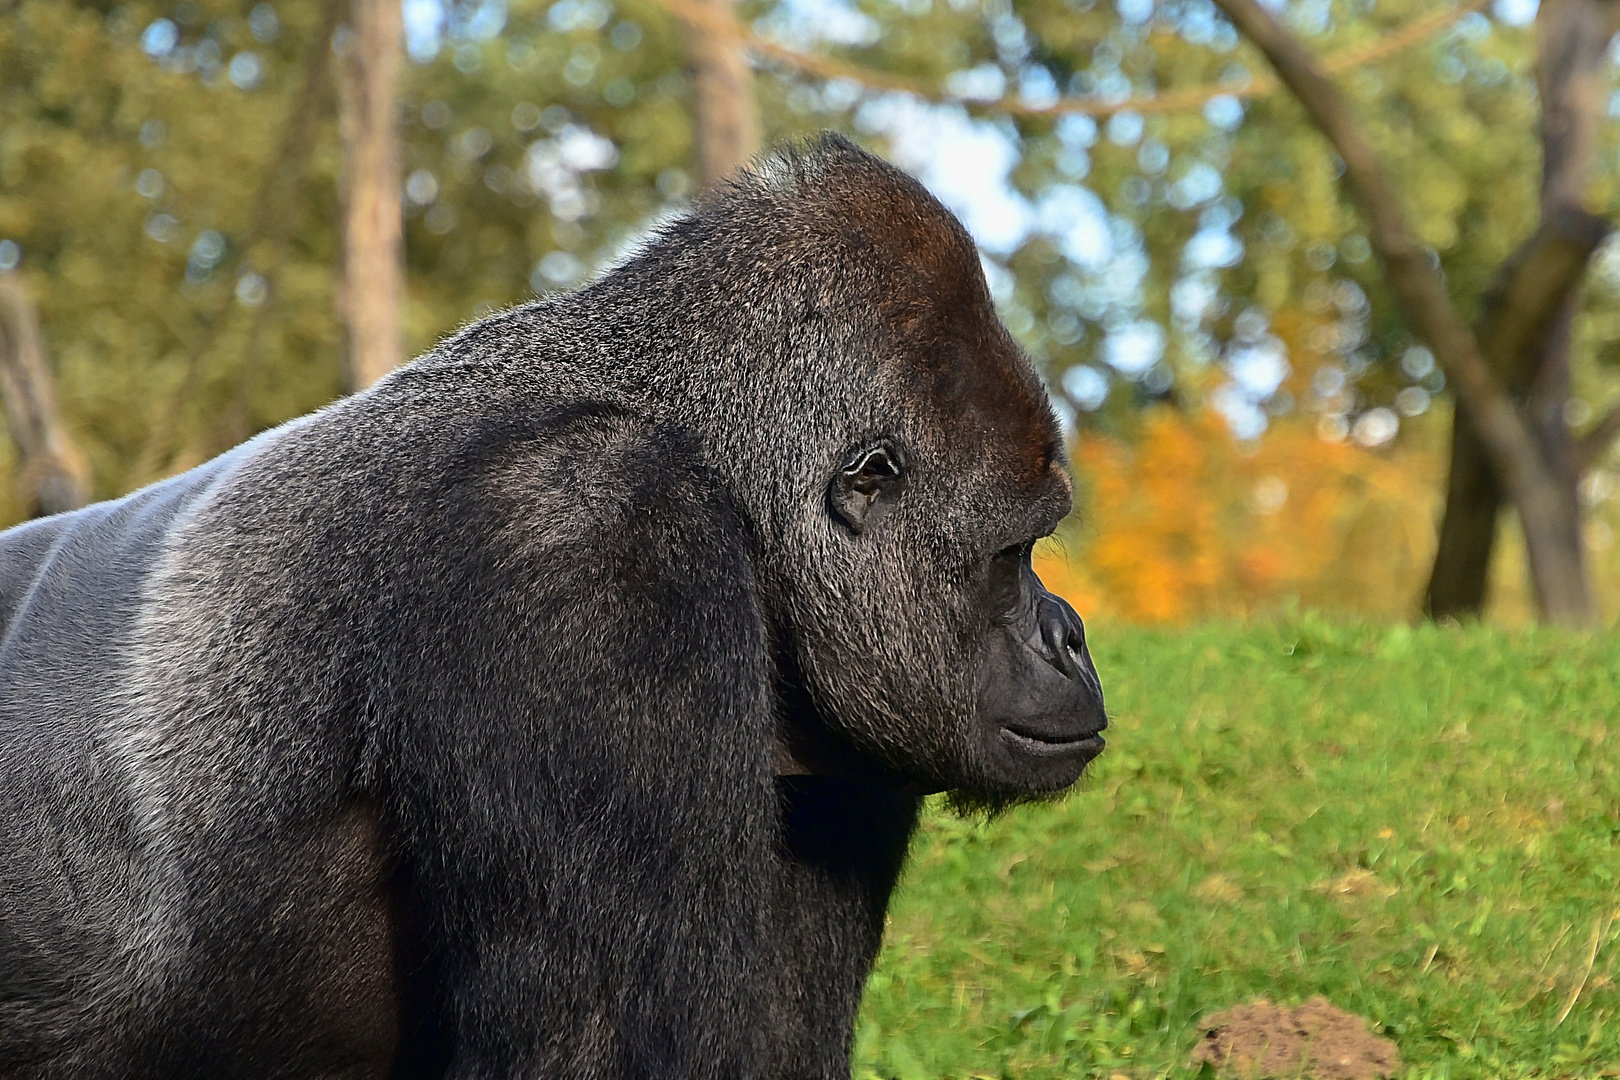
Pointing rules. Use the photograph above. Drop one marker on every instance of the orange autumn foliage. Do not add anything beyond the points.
(1183, 522)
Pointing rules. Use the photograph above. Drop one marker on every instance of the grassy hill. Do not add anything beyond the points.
(1421, 824)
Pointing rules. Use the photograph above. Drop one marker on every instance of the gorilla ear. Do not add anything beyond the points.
(866, 486)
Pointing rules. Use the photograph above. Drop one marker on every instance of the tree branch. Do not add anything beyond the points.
(1572, 76)
(721, 22)
(1531, 289)
(1590, 447)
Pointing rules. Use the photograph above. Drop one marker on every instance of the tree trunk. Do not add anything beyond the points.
(52, 466)
(1420, 292)
(723, 89)
(1572, 75)
(373, 228)
(1572, 78)
(1520, 320)
(1462, 559)
(1545, 409)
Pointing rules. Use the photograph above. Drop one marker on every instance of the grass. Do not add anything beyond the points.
(1421, 824)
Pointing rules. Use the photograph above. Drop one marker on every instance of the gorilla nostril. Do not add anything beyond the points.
(1061, 643)
(1062, 637)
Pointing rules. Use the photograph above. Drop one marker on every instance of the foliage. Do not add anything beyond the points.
(1182, 522)
(1420, 824)
(112, 170)
(536, 152)
(1179, 522)
(136, 142)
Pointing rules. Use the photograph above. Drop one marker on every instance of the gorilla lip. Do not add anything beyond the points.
(1091, 744)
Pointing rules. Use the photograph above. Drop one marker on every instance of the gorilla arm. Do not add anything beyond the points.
(579, 766)
(843, 844)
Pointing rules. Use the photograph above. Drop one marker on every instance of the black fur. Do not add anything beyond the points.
(536, 713)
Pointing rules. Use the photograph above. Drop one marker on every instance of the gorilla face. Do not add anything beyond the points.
(926, 640)
(999, 698)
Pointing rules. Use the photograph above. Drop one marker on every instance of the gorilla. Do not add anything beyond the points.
(561, 705)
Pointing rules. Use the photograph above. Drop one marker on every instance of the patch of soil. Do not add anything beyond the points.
(1316, 1040)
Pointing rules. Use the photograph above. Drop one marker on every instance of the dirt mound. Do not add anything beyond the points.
(1315, 1040)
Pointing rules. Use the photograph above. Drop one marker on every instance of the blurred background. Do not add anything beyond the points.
(216, 215)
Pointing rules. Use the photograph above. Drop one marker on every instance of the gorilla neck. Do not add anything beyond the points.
(806, 745)
(803, 751)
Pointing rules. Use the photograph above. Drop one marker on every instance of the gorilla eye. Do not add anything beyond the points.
(866, 486)
(871, 470)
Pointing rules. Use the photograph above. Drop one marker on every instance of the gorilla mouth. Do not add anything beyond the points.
(1042, 745)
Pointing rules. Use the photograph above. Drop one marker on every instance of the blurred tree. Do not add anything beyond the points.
(723, 101)
(169, 188)
(52, 467)
(1179, 254)
(1273, 282)
(1547, 510)
(538, 140)
(263, 246)
(132, 143)
(1528, 323)
(373, 242)
(1182, 523)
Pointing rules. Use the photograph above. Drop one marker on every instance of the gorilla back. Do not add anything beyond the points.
(559, 706)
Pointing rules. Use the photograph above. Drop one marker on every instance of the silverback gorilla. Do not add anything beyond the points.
(560, 706)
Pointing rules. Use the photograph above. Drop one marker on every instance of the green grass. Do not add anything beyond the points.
(1421, 824)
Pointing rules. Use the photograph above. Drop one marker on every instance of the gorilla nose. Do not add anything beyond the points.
(1063, 638)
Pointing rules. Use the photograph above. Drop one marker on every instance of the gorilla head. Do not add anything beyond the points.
(902, 462)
